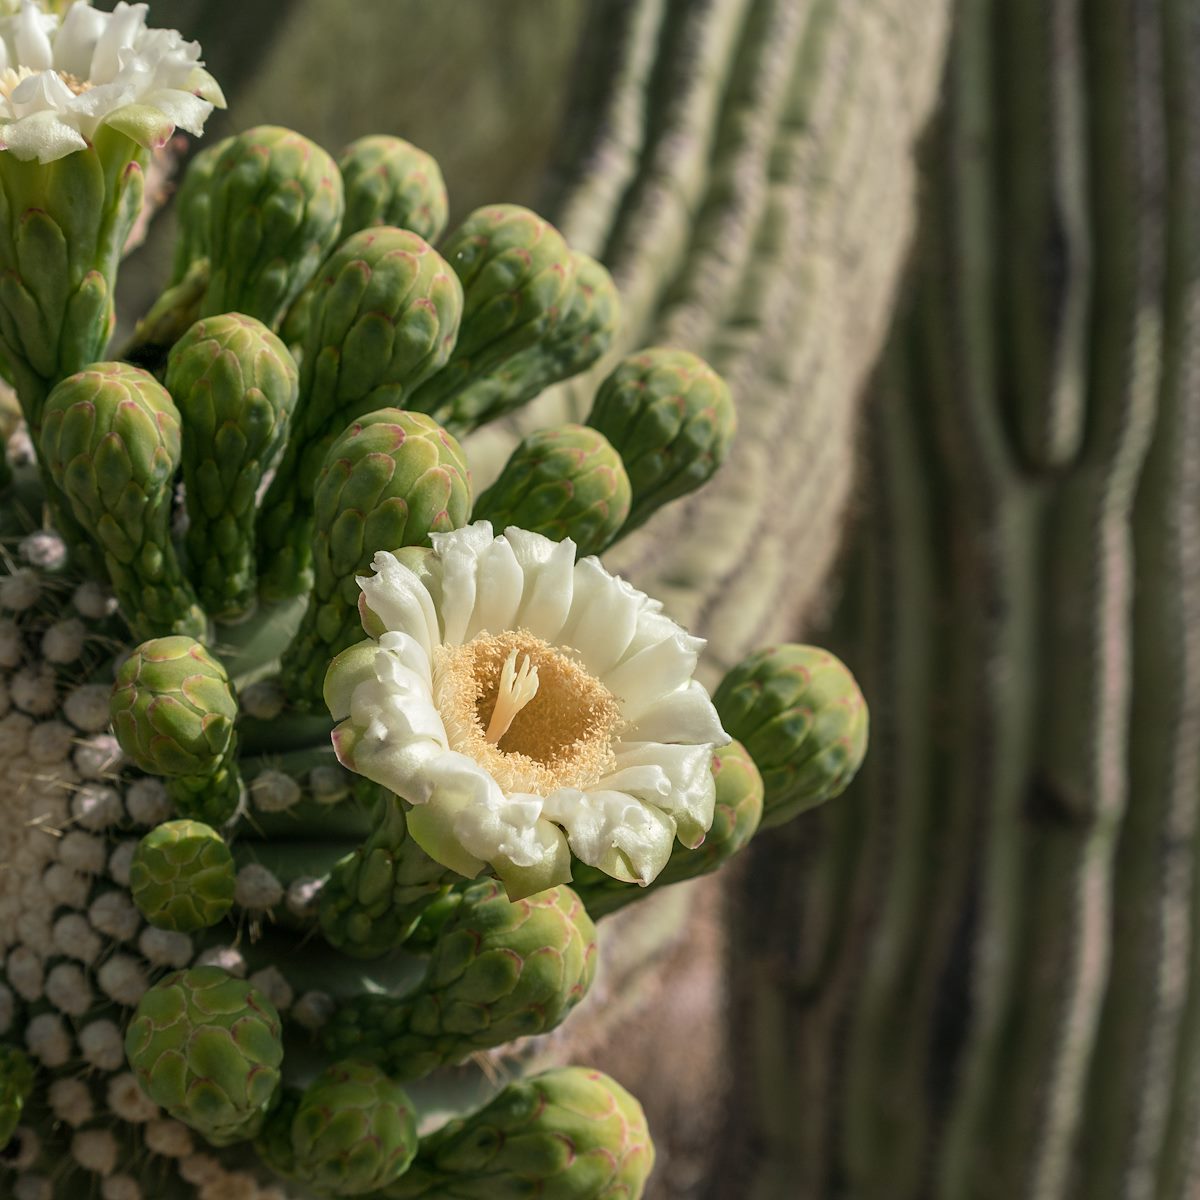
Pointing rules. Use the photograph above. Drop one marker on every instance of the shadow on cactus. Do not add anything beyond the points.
(319, 767)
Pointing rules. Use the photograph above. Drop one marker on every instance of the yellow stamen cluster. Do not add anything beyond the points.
(527, 711)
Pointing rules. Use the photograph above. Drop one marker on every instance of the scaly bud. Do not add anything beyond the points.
(499, 970)
(569, 1133)
(207, 1048)
(571, 345)
(671, 418)
(736, 816)
(389, 481)
(111, 441)
(389, 181)
(566, 482)
(173, 711)
(385, 314)
(236, 385)
(182, 876)
(518, 277)
(274, 212)
(802, 718)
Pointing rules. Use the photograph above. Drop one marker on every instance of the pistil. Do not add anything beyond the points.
(517, 687)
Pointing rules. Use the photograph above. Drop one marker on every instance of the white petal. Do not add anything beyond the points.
(603, 617)
(499, 584)
(549, 569)
(459, 552)
(677, 779)
(124, 26)
(31, 39)
(685, 715)
(614, 832)
(43, 136)
(411, 654)
(76, 40)
(401, 601)
(652, 673)
(185, 110)
(41, 93)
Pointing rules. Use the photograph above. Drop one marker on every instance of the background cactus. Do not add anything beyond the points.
(205, 912)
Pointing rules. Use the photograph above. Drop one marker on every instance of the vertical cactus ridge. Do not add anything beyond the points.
(235, 385)
(385, 316)
(390, 480)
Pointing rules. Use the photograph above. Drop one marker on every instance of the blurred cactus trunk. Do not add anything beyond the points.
(978, 977)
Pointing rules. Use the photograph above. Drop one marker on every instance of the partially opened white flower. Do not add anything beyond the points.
(60, 80)
(528, 707)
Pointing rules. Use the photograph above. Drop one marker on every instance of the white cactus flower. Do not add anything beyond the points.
(528, 707)
(61, 79)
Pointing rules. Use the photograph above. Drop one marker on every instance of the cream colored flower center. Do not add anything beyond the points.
(526, 711)
(12, 77)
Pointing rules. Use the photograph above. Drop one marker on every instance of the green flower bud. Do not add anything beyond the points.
(193, 210)
(518, 277)
(173, 711)
(803, 720)
(389, 181)
(207, 1048)
(374, 897)
(16, 1086)
(353, 1131)
(572, 1134)
(738, 811)
(274, 212)
(499, 970)
(385, 314)
(587, 329)
(671, 418)
(110, 440)
(565, 483)
(389, 481)
(236, 385)
(182, 876)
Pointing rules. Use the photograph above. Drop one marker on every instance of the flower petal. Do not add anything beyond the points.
(603, 617)
(614, 832)
(676, 779)
(401, 602)
(500, 582)
(652, 673)
(459, 552)
(549, 569)
(43, 136)
(684, 715)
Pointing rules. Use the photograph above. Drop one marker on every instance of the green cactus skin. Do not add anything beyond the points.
(16, 1086)
(389, 481)
(62, 230)
(499, 970)
(110, 440)
(804, 721)
(385, 314)
(235, 385)
(738, 811)
(572, 1134)
(274, 212)
(182, 876)
(207, 1048)
(350, 1132)
(389, 181)
(173, 711)
(193, 209)
(374, 897)
(518, 278)
(584, 334)
(566, 482)
(670, 416)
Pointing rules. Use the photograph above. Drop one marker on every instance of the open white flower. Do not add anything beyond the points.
(528, 707)
(61, 79)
